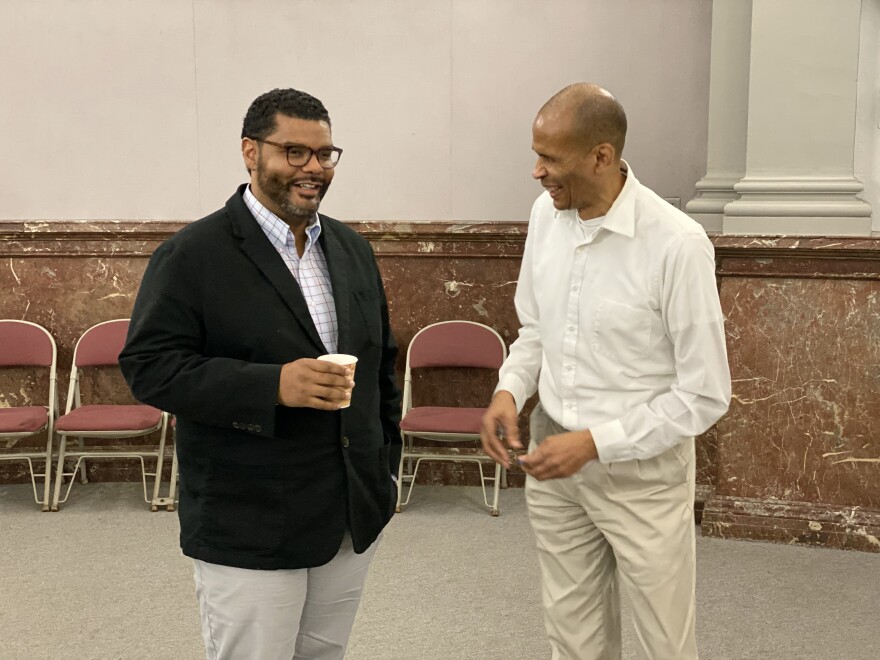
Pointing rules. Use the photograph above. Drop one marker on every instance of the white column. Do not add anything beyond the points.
(728, 112)
(867, 157)
(801, 122)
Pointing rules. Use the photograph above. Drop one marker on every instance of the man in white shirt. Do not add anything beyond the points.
(623, 339)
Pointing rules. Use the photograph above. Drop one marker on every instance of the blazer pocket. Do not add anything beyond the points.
(369, 301)
(243, 508)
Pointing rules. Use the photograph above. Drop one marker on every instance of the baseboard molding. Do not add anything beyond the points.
(799, 523)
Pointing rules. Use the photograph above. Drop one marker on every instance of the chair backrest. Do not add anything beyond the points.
(23, 343)
(456, 344)
(101, 344)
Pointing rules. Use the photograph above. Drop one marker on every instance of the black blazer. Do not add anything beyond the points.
(262, 485)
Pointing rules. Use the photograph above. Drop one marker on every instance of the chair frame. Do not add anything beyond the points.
(12, 437)
(413, 457)
(73, 402)
(170, 502)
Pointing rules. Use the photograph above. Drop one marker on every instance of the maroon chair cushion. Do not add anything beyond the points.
(109, 418)
(443, 420)
(27, 419)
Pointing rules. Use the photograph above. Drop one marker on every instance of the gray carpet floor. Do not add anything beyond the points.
(104, 578)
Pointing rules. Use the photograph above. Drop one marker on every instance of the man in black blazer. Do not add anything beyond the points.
(284, 491)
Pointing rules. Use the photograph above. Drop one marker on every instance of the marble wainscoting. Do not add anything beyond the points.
(68, 276)
(438, 271)
(797, 459)
(798, 454)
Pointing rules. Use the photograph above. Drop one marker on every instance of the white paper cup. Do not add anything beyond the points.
(349, 361)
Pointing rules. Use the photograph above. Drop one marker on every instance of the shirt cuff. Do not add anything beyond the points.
(611, 442)
(516, 388)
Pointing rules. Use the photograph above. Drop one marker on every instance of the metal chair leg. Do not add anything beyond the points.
(498, 470)
(397, 508)
(83, 477)
(156, 501)
(47, 485)
(59, 473)
(172, 487)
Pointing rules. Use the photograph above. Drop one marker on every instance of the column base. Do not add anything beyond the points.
(823, 206)
(797, 226)
(713, 194)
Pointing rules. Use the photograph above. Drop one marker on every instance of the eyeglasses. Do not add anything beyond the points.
(299, 154)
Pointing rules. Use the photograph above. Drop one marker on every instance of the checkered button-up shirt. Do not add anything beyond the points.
(310, 271)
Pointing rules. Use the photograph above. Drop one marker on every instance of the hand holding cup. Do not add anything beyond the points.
(348, 361)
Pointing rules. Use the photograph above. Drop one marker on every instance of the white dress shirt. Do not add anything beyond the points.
(310, 271)
(622, 331)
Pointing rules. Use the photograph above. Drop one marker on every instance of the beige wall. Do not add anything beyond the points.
(117, 109)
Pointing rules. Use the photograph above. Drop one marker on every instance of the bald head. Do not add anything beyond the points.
(595, 116)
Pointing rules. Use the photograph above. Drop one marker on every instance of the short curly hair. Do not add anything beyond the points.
(260, 118)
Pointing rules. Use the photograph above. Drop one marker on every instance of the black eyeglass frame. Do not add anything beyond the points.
(311, 152)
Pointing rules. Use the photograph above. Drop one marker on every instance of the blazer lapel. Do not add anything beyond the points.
(260, 251)
(337, 262)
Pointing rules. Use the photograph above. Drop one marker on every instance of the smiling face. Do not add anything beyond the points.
(565, 167)
(292, 193)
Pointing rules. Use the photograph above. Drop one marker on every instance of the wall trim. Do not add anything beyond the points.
(802, 523)
(93, 238)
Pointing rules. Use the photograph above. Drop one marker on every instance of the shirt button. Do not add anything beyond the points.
(571, 328)
(595, 347)
(345, 441)
(569, 367)
(570, 406)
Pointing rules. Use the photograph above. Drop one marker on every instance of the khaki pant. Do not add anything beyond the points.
(625, 525)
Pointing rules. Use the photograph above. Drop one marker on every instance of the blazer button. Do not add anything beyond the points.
(345, 441)
(258, 428)
(236, 425)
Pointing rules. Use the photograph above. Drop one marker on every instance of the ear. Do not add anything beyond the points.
(605, 156)
(249, 152)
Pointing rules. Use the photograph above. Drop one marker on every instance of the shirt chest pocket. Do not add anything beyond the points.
(619, 331)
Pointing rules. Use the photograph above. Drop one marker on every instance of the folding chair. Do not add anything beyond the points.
(455, 344)
(100, 346)
(26, 344)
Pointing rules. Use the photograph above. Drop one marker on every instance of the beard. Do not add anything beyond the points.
(279, 189)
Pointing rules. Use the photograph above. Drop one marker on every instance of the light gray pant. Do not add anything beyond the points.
(302, 614)
(631, 520)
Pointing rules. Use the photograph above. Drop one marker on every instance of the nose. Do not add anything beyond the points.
(539, 171)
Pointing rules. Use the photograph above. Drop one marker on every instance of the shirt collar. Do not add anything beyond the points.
(277, 231)
(620, 218)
